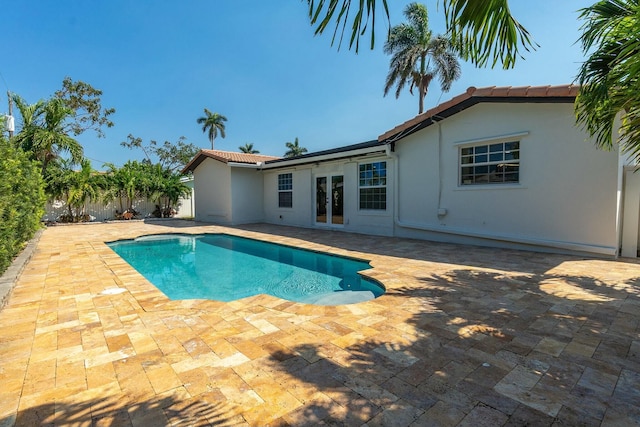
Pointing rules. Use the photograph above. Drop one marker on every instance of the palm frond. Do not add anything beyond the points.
(323, 12)
(608, 78)
(486, 32)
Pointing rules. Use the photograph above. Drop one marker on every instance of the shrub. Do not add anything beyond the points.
(21, 201)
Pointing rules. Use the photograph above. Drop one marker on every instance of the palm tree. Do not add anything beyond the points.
(30, 114)
(43, 134)
(85, 187)
(294, 149)
(73, 187)
(248, 148)
(418, 57)
(483, 30)
(213, 123)
(126, 184)
(609, 77)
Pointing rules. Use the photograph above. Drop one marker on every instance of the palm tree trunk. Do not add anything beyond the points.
(422, 92)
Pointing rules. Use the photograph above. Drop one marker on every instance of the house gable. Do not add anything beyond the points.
(473, 96)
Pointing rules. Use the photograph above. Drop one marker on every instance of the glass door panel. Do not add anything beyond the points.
(337, 197)
(321, 199)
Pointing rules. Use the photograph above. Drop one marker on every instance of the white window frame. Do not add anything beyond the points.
(485, 157)
(380, 184)
(285, 185)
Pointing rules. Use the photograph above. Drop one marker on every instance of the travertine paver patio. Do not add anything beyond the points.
(464, 336)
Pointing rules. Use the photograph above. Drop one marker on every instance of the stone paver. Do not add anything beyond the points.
(463, 336)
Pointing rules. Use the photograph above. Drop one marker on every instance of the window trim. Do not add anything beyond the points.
(285, 190)
(384, 186)
(487, 142)
(495, 139)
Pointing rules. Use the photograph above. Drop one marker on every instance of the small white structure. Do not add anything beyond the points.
(498, 166)
(227, 187)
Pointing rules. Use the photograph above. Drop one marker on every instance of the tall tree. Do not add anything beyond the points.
(212, 123)
(248, 148)
(30, 115)
(170, 155)
(43, 132)
(86, 103)
(609, 77)
(417, 57)
(486, 28)
(294, 149)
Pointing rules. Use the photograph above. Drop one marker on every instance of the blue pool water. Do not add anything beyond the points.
(226, 268)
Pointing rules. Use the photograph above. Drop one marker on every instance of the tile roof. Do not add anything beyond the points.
(230, 156)
(227, 157)
(561, 93)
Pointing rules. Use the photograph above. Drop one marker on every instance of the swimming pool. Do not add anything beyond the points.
(227, 268)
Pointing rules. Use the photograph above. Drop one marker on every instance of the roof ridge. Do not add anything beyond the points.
(549, 91)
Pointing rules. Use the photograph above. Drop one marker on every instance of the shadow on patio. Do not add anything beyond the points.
(484, 349)
(206, 409)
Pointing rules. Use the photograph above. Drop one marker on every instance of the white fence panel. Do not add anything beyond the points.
(102, 212)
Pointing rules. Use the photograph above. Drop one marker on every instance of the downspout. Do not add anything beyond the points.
(567, 246)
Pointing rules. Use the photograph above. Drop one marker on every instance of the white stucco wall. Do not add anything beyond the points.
(212, 189)
(300, 214)
(377, 222)
(566, 195)
(246, 195)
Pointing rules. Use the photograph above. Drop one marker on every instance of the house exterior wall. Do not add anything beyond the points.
(303, 212)
(300, 214)
(566, 197)
(246, 196)
(212, 200)
(376, 222)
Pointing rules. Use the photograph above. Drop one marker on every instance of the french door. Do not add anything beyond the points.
(330, 200)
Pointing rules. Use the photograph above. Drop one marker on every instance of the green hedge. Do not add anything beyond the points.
(21, 201)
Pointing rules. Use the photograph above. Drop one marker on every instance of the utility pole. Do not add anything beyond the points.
(10, 119)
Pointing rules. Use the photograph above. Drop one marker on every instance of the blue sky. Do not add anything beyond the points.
(258, 63)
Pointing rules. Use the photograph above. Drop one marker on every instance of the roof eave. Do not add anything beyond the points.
(324, 156)
(473, 96)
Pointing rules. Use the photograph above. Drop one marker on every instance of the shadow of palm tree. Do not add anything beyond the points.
(200, 411)
(483, 347)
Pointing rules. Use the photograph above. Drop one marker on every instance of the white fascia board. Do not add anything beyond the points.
(243, 165)
(325, 157)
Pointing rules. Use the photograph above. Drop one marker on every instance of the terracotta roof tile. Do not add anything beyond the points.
(519, 90)
(561, 91)
(230, 156)
(226, 157)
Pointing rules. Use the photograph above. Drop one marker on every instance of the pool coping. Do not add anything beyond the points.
(156, 300)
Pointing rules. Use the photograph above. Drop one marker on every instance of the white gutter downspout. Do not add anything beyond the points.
(568, 246)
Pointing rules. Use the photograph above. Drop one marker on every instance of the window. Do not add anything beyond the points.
(490, 164)
(373, 185)
(285, 190)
